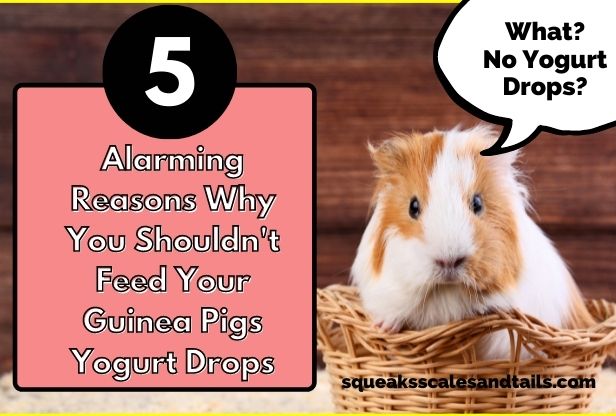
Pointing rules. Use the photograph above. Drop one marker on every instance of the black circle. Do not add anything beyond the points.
(126, 72)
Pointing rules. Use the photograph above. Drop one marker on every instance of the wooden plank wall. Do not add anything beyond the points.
(372, 66)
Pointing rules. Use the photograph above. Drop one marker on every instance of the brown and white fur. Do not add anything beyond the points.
(450, 262)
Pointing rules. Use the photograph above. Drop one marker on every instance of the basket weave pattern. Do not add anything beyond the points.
(353, 347)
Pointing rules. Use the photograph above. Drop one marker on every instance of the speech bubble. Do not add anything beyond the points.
(531, 66)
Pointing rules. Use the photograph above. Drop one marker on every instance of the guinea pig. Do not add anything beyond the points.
(450, 237)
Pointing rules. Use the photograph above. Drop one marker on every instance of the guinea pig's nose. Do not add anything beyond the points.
(451, 263)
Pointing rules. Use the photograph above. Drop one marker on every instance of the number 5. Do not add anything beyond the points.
(162, 63)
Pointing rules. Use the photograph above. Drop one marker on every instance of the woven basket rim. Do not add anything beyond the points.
(341, 303)
(353, 346)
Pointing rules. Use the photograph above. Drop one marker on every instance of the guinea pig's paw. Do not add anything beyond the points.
(389, 327)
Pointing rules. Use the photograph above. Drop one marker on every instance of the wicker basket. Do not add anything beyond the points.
(353, 347)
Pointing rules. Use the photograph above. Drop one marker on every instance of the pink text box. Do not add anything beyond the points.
(63, 135)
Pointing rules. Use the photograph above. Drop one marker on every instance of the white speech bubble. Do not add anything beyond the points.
(558, 97)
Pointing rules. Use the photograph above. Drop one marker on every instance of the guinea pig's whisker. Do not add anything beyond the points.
(473, 289)
(476, 293)
(425, 296)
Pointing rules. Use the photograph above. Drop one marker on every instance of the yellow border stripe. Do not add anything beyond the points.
(231, 1)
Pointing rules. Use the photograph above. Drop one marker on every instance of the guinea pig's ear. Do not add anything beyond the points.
(505, 161)
(389, 155)
(505, 166)
(487, 137)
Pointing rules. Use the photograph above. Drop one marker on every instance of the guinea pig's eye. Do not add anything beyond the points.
(477, 204)
(414, 208)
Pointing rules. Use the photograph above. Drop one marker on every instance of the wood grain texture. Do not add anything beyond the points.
(6, 301)
(251, 18)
